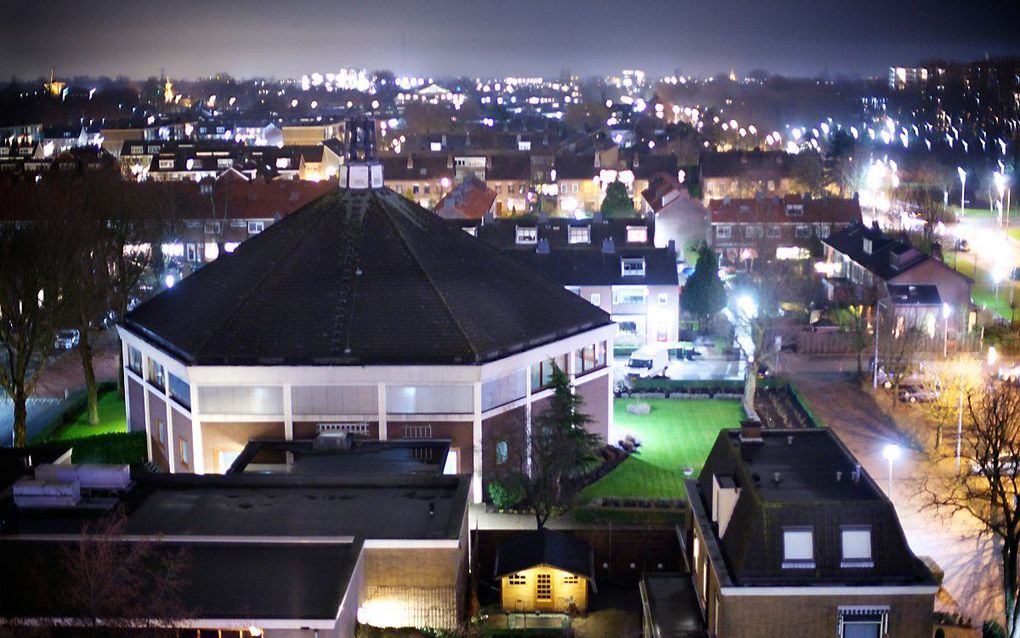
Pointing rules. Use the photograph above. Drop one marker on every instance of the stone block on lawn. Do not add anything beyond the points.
(640, 409)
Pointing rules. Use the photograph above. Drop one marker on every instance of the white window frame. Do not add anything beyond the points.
(794, 554)
(184, 449)
(795, 210)
(723, 232)
(854, 539)
(637, 234)
(527, 235)
(211, 228)
(774, 231)
(578, 234)
(596, 299)
(803, 231)
(632, 266)
(255, 228)
(166, 163)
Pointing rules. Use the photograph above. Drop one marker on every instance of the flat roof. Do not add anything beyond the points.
(380, 507)
(365, 457)
(672, 605)
(223, 580)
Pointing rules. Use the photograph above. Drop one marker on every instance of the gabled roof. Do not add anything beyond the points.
(360, 277)
(545, 547)
(886, 257)
(734, 163)
(418, 167)
(515, 167)
(915, 295)
(471, 199)
(816, 489)
(773, 210)
(575, 167)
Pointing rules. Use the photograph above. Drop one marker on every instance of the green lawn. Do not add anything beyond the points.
(674, 435)
(983, 291)
(112, 418)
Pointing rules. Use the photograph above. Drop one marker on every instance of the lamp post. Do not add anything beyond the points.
(891, 453)
(997, 279)
(946, 310)
(963, 186)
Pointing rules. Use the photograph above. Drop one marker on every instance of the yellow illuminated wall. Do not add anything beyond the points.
(544, 588)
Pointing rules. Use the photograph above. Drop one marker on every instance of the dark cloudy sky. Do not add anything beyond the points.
(285, 38)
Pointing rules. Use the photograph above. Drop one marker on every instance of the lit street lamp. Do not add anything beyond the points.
(963, 186)
(997, 277)
(891, 453)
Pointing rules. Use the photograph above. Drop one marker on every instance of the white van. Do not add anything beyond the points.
(648, 361)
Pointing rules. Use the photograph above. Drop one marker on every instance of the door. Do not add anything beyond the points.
(543, 591)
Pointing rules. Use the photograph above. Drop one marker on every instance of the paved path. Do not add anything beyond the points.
(956, 543)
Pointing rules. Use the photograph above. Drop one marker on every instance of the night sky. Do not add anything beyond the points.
(488, 37)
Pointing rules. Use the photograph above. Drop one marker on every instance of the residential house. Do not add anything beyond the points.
(613, 264)
(743, 174)
(470, 199)
(862, 263)
(422, 178)
(679, 218)
(743, 229)
(312, 338)
(309, 131)
(786, 535)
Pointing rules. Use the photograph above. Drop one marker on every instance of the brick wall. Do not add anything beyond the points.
(157, 420)
(596, 403)
(182, 433)
(136, 415)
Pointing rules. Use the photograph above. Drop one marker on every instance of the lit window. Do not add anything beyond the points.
(569, 579)
(185, 449)
(798, 548)
(212, 228)
(822, 230)
(166, 163)
(856, 547)
(803, 231)
(596, 299)
(154, 374)
(255, 228)
(723, 232)
(632, 266)
(502, 452)
(578, 234)
(137, 150)
(527, 235)
(795, 210)
(637, 234)
(774, 231)
(224, 163)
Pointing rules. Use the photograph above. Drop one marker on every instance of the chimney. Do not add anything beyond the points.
(839, 476)
(410, 161)
(789, 440)
(750, 431)
(777, 478)
(542, 248)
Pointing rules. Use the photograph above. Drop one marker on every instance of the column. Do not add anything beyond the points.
(476, 442)
(381, 406)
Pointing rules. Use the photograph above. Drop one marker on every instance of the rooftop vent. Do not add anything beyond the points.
(333, 441)
(608, 246)
(29, 493)
(789, 440)
(777, 477)
(542, 248)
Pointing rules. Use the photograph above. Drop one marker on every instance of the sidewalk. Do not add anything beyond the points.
(969, 558)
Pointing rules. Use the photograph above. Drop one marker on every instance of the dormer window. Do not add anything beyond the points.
(527, 235)
(471, 230)
(798, 548)
(795, 210)
(632, 266)
(867, 245)
(166, 163)
(579, 234)
(856, 542)
(137, 150)
(224, 162)
(637, 234)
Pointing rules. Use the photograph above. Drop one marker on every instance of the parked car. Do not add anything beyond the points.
(962, 246)
(1014, 274)
(647, 362)
(67, 339)
(918, 393)
(1010, 373)
(1008, 465)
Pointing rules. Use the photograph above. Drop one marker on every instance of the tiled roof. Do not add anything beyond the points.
(575, 167)
(790, 480)
(360, 278)
(470, 199)
(734, 163)
(418, 167)
(515, 167)
(773, 210)
(888, 257)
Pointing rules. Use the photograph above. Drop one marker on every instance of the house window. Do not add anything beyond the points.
(774, 231)
(822, 230)
(663, 298)
(623, 295)
(185, 450)
(541, 372)
(499, 189)
(861, 621)
(637, 234)
(502, 452)
(590, 358)
(161, 431)
(134, 362)
(632, 266)
(166, 163)
(596, 299)
(573, 188)
(795, 210)
(752, 231)
(212, 228)
(155, 374)
(191, 252)
(798, 548)
(578, 234)
(517, 580)
(137, 150)
(180, 391)
(803, 231)
(153, 150)
(543, 589)
(856, 547)
(527, 235)
(224, 163)
(569, 579)
(414, 189)
(255, 228)
(428, 188)
(723, 232)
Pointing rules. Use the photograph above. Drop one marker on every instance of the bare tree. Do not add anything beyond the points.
(900, 340)
(855, 322)
(33, 273)
(954, 379)
(986, 483)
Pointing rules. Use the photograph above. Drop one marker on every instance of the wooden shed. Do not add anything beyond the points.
(544, 571)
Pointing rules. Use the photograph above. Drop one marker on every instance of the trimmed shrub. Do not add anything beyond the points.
(505, 494)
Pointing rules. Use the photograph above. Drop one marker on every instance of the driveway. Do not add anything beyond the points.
(956, 543)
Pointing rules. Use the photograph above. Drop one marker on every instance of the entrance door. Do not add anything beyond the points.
(543, 591)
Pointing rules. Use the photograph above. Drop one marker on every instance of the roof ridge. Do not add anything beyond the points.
(257, 285)
(428, 275)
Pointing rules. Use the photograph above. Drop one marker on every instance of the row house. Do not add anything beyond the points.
(743, 174)
(37, 159)
(863, 265)
(313, 339)
(422, 178)
(151, 129)
(787, 535)
(507, 174)
(581, 180)
(470, 199)
(613, 264)
(745, 229)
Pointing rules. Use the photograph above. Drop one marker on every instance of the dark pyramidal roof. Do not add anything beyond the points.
(360, 277)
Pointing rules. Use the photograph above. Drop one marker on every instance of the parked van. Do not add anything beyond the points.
(648, 361)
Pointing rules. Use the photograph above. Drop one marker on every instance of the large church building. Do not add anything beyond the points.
(360, 312)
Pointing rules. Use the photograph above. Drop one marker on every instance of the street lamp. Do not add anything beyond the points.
(891, 453)
(997, 277)
(963, 185)
(946, 310)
